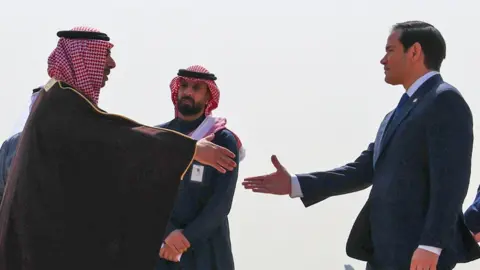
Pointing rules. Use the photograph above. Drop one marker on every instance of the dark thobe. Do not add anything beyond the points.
(202, 207)
(87, 189)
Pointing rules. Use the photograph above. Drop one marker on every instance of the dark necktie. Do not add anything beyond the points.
(402, 101)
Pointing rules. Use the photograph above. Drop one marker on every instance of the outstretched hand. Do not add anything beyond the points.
(278, 183)
(213, 155)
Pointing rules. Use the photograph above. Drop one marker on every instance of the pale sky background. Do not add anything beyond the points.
(300, 79)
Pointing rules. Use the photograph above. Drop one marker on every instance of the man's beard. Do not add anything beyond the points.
(189, 109)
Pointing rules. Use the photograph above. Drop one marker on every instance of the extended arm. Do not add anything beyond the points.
(318, 186)
(450, 141)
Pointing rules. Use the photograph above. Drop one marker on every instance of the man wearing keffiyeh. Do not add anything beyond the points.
(198, 234)
(88, 189)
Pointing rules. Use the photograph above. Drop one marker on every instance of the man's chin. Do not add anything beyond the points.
(104, 82)
(187, 111)
(390, 81)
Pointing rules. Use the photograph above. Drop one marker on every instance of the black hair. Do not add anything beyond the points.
(431, 40)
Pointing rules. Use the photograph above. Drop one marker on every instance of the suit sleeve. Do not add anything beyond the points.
(170, 228)
(218, 206)
(352, 177)
(472, 215)
(3, 168)
(449, 142)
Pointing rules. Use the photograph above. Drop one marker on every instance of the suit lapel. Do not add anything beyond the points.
(390, 126)
(397, 120)
(380, 134)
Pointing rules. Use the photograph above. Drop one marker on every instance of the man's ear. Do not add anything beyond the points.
(416, 52)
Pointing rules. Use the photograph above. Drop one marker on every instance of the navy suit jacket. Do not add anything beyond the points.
(472, 215)
(419, 170)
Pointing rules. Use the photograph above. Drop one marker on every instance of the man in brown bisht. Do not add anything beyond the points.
(88, 189)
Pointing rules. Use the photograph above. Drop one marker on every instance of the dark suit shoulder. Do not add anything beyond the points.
(12, 141)
(15, 137)
(446, 89)
(448, 97)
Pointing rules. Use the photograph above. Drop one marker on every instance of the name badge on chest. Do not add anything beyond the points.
(197, 173)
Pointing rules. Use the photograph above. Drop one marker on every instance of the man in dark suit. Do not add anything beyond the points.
(418, 166)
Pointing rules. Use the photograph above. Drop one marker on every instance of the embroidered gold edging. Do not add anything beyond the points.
(52, 82)
(49, 84)
(189, 164)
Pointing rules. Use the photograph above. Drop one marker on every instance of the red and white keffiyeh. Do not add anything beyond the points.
(80, 63)
(211, 124)
(212, 87)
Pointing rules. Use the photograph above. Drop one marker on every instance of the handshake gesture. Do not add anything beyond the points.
(213, 155)
(277, 183)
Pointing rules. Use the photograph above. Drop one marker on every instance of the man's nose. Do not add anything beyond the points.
(188, 91)
(111, 63)
(383, 61)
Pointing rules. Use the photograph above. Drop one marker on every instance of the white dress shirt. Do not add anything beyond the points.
(297, 190)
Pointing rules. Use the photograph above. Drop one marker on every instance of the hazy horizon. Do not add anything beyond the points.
(298, 79)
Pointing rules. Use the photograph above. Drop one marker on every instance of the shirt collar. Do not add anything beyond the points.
(414, 87)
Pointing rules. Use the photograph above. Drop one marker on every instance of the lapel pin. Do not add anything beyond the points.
(415, 100)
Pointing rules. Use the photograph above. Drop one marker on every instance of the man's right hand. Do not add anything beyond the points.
(278, 183)
(177, 241)
(213, 155)
(169, 253)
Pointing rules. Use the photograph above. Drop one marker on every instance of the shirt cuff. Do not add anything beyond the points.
(431, 249)
(296, 189)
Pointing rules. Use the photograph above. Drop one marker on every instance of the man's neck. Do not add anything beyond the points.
(415, 76)
(189, 118)
(196, 120)
(185, 126)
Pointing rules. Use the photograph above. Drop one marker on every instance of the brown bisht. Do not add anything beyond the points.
(87, 189)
